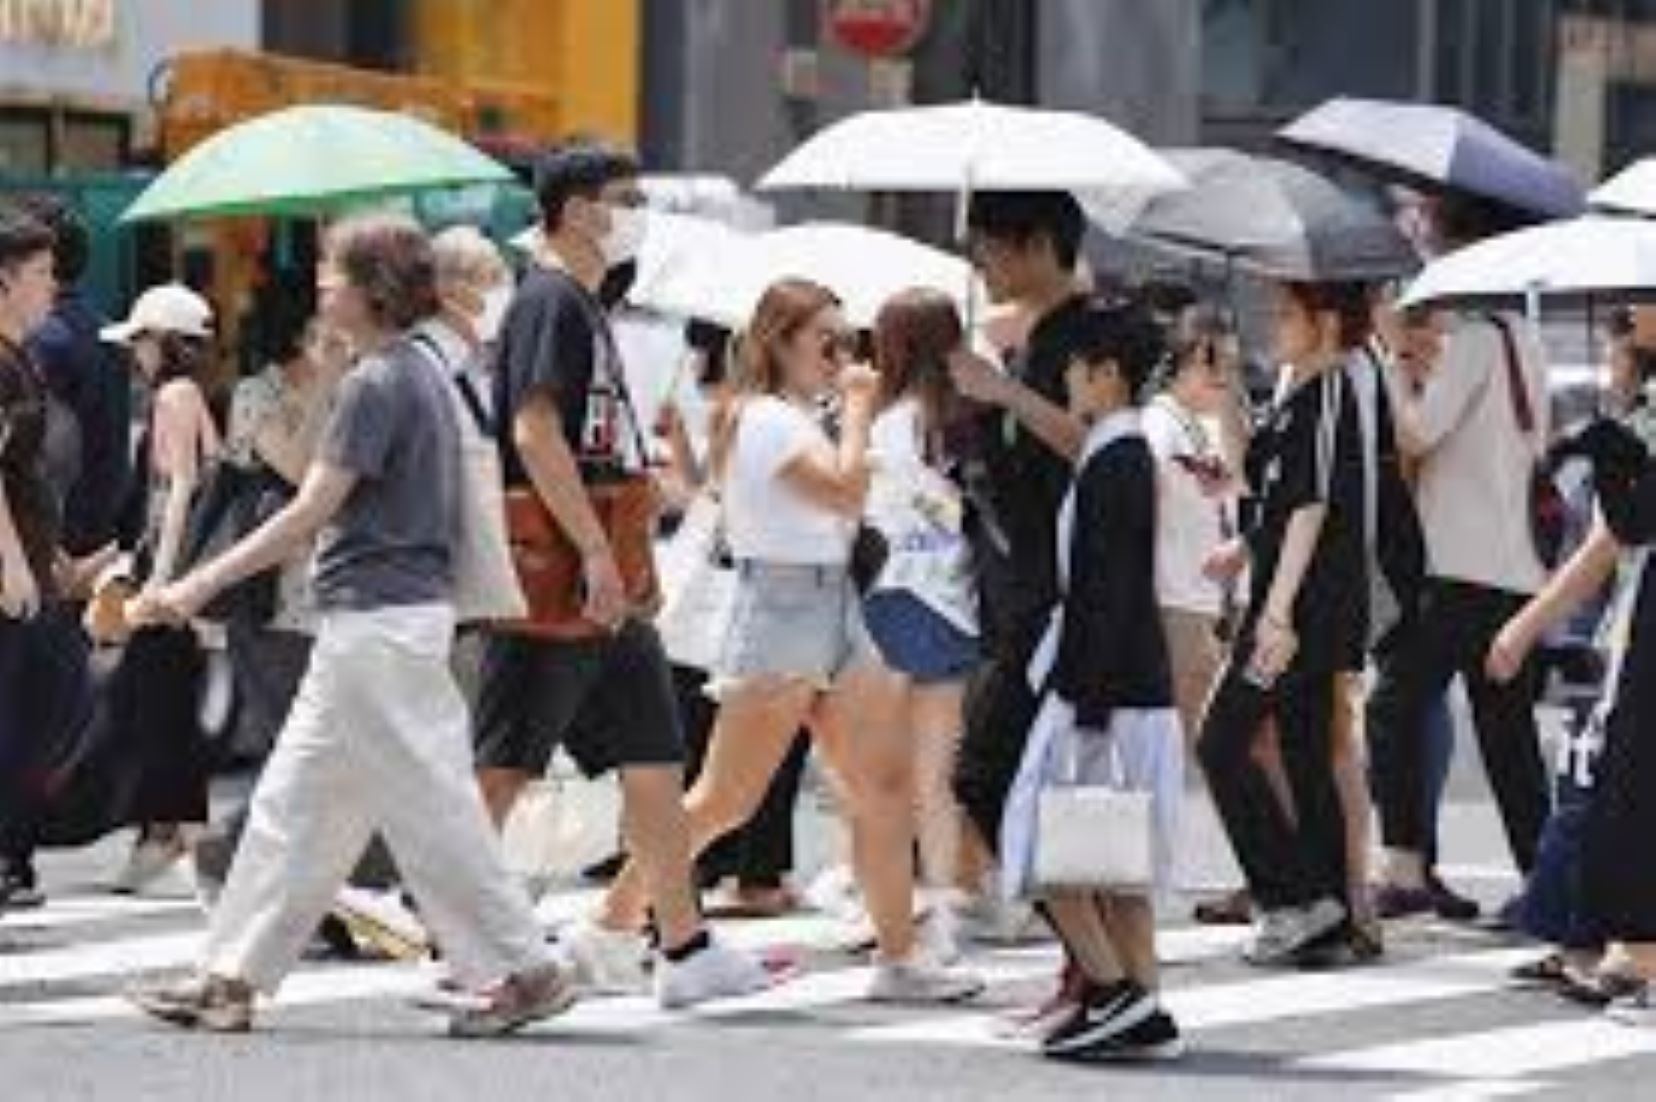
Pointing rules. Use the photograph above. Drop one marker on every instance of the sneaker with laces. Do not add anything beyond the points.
(715, 972)
(920, 981)
(604, 961)
(201, 1001)
(1155, 1039)
(1105, 1012)
(1284, 932)
(521, 999)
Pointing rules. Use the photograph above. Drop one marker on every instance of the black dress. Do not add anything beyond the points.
(1619, 891)
(143, 757)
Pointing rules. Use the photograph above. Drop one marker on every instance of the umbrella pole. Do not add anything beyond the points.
(963, 206)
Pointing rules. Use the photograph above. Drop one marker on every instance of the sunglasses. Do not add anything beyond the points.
(840, 345)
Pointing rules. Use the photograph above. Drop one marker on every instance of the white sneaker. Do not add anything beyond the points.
(988, 919)
(919, 981)
(716, 972)
(605, 962)
(148, 861)
(834, 892)
(1285, 931)
(938, 931)
(380, 920)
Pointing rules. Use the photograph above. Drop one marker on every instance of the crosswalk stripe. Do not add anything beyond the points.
(84, 910)
(1275, 998)
(1509, 1052)
(115, 956)
(1467, 1065)
(1480, 1090)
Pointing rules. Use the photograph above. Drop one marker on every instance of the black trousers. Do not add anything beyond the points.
(759, 854)
(1000, 709)
(1456, 623)
(1289, 861)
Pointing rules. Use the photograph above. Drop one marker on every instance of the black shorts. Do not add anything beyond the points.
(608, 701)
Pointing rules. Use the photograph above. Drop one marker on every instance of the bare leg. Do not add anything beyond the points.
(1130, 922)
(934, 715)
(755, 728)
(1080, 924)
(859, 732)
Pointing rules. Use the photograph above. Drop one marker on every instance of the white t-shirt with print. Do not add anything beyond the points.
(1189, 527)
(920, 512)
(766, 519)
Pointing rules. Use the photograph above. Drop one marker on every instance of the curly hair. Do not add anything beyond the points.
(389, 259)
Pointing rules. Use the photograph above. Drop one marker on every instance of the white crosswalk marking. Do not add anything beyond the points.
(66, 964)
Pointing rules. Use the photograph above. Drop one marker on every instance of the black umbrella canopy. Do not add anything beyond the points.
(1438, 148)
(1274, 218)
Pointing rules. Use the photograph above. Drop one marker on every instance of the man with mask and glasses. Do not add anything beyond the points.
(566, 424)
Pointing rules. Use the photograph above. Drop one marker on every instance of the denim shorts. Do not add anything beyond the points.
(793, 621)
(916, 640)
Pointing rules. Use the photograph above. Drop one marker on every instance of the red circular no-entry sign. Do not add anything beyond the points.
(877, 28)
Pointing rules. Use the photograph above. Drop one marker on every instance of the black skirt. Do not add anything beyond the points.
(143, 757)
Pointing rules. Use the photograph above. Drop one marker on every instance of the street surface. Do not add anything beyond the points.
(1437, 1020)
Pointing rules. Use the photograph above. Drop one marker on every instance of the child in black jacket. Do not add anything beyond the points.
(1107, 716)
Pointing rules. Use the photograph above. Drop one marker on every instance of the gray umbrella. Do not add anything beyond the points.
(1430, 146)
(1274, 218)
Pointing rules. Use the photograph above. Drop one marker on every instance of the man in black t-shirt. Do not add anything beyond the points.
(566, 423)
(1025, 244)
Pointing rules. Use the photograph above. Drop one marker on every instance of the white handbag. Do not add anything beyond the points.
(699, 588)
(1092, 837)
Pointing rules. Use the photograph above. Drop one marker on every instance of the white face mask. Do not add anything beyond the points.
(487, 322)
(628, 226)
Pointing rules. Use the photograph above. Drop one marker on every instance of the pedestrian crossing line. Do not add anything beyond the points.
(1480, 1090)
(1276, 998)
(85, 910)
(308, 988)
(122, 955)
(1510, 1052)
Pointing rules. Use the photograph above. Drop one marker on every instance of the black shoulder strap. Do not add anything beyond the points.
(1516, 386)
(617, 375)
(462, 383)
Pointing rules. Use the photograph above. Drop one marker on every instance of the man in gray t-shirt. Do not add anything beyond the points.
(391, 542)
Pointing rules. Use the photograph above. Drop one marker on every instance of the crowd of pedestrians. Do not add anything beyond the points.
(1018, 595)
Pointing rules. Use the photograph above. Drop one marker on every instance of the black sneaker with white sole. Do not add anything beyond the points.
(1105, 1012)
(1153, 1040)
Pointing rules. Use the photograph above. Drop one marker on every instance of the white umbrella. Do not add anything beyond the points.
(964, 147)
(1608, 258)
(1630, 191)
(863, 266)
(722, 279)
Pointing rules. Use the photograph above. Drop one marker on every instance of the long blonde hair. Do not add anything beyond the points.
(786, 307)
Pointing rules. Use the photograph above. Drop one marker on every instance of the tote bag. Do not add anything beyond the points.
(486, 586)
(699, 587)
(1091, 837)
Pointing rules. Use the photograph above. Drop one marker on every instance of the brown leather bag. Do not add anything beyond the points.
(549, 566)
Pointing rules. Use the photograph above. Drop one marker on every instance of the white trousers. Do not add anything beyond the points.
(379, 739)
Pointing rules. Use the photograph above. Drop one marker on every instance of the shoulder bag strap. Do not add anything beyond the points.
(460, 381)
(1516, 386)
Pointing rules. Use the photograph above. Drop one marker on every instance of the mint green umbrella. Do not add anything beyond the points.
(310, 160)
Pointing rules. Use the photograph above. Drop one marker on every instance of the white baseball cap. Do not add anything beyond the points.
(168, 308)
